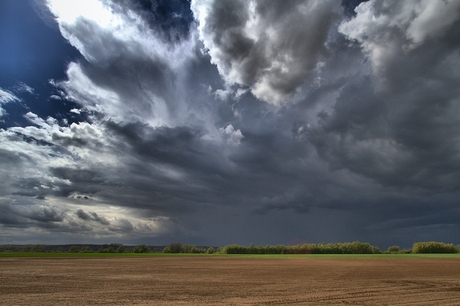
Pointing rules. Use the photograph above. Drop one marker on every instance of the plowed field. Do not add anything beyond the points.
(229, 281)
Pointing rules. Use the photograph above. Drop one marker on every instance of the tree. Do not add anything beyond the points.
(141, 248)
(27, 248)
(210, 250)
(121, 249)
(103, 248)
(86, 249)
(434, 247)
(112, 248)
(73, 249)
(177, 248)
(38, 248)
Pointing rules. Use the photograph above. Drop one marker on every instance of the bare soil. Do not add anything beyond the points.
(229, 281)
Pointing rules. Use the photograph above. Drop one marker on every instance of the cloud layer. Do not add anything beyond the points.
(248, 121)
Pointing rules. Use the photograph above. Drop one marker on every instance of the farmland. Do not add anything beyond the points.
(380, 279)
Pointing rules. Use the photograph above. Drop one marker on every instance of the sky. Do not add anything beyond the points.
(215, 122)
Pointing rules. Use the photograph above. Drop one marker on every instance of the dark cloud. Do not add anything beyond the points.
(29, 214)
(44, 214)
(180, 146)
(92, 216)
(395, 129)
(122, 225)
(260, 121)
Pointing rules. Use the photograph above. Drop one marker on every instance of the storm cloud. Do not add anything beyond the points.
(271, 47)
(216, 122)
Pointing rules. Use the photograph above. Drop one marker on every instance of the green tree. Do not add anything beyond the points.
(86, 249)
(141, 248)
(177, 248)
(103, 249)
(210, 250)
(73, 249)
(38, 248)
(121, 249)
(27, 248)
(434, 247)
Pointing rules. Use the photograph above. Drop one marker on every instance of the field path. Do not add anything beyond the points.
(229, 281)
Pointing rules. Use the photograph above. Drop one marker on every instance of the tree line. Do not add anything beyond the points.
(355, 247)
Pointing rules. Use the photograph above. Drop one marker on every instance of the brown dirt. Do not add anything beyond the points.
(229, 281)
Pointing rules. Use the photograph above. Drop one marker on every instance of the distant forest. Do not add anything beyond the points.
(355, 247)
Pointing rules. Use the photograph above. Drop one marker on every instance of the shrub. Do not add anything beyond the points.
(235, 249)
(434, 247)
(393, 249)
(198, 250)
(268, 249)
(299, 249)
(355, 247)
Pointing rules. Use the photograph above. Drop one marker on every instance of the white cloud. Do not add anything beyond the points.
(80, 88)
(103, 32)
(432, 19)
(94, 10)
(388, 28)
(6, 97)
(271, 47)
(75, 111)
(55, 97)
(233, 136)
(147, 76)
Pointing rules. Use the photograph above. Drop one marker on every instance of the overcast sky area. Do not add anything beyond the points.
(229, 121)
